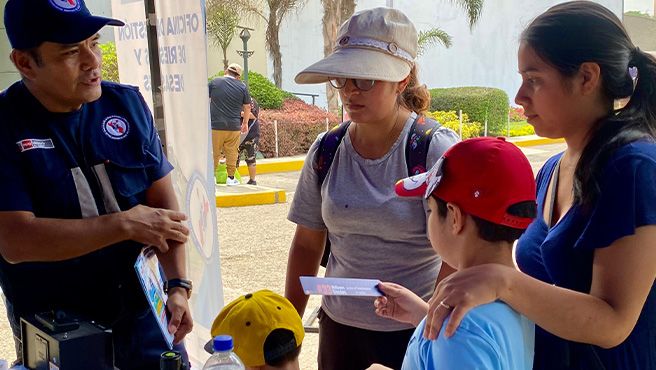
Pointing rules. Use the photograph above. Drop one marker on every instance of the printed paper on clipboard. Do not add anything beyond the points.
(147, 267)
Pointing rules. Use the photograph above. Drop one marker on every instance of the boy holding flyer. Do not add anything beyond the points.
(481, 196)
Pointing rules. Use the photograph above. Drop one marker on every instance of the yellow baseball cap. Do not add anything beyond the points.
(250, 319)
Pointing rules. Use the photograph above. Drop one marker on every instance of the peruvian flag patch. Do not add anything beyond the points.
(29, 144)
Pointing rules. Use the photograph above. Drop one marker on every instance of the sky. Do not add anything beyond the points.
(641, 5)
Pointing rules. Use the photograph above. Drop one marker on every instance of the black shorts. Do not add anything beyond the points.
(249, 149)
(343, 347)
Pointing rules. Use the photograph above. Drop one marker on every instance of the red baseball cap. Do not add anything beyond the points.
(483, 176)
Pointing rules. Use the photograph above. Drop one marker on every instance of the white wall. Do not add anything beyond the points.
(486, 56)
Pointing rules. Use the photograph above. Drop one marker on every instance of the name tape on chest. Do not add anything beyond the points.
(29, 144)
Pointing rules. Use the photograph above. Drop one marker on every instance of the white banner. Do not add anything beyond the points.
(182, 55)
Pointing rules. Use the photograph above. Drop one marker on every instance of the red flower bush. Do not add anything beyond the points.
(517, 114)
(299, 124)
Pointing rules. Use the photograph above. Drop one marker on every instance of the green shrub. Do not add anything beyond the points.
(478, 102)
(450, 119)
(523, 130)
(267, 95)
(264, 91)
(109, 62)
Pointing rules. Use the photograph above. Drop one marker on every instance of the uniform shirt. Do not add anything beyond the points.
(373, 232)
(563, 255)
(228, 96)
(99, 159)
(491, 337)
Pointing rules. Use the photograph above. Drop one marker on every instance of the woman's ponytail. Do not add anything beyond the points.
(415, 97)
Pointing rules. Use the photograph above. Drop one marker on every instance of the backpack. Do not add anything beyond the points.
(416, 150)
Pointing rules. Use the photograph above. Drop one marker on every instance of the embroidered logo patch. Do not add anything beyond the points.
(115, 127)
(29, 144)
(66, 5)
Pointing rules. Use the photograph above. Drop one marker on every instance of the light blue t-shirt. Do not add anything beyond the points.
(491, 336)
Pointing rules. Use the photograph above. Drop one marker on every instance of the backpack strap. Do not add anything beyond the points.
(323, 160)
(327, 149)
(419, 138)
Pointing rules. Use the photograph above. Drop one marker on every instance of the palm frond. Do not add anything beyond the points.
(431, 37)
(474, 8)
(222, 21)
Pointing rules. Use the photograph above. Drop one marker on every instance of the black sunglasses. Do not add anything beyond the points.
(363, 85)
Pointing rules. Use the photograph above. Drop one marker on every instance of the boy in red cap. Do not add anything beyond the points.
(481, 195)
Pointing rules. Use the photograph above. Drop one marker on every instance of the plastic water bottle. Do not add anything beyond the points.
(223, 357)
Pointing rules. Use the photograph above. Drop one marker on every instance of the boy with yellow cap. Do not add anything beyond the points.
(266, 329)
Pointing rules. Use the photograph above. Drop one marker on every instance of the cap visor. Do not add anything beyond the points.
(209, 346)
(414, 186)
(355, 63)
(81, 30)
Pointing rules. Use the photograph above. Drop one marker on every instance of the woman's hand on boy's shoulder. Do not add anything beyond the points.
(400, 303)
(461, 291)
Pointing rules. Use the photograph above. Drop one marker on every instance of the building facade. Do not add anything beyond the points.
(483, 56)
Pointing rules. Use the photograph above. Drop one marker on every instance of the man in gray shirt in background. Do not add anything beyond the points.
(229, 98)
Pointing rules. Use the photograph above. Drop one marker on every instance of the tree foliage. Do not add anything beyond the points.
(637, 13)
(432, 37)
(435, 36)
(109, 62)
(335, 12)
(222, 21)
(273, 12)
(473, 8)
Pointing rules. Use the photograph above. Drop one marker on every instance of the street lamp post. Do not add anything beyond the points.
(244, 35)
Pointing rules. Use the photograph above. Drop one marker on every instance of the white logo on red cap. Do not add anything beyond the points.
(66, 5)
(414, 182)
(115, 127)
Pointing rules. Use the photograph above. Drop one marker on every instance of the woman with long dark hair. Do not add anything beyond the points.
(588, 261)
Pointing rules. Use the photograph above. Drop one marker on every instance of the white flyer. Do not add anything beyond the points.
(148, 271)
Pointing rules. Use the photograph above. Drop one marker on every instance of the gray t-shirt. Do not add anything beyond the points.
(228, 96)
(374, 234)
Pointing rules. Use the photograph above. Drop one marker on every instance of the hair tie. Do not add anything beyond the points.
(636, 54)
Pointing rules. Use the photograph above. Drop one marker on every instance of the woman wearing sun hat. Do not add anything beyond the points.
(373, 233)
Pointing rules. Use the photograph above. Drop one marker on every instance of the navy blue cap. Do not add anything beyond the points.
(31, 22)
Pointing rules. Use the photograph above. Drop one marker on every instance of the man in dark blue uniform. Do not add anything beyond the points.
(84, 185)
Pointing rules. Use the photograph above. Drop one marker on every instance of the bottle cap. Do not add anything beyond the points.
(222, 343)
(170, 360)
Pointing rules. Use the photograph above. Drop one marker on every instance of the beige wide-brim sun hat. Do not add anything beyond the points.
(374, 44)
